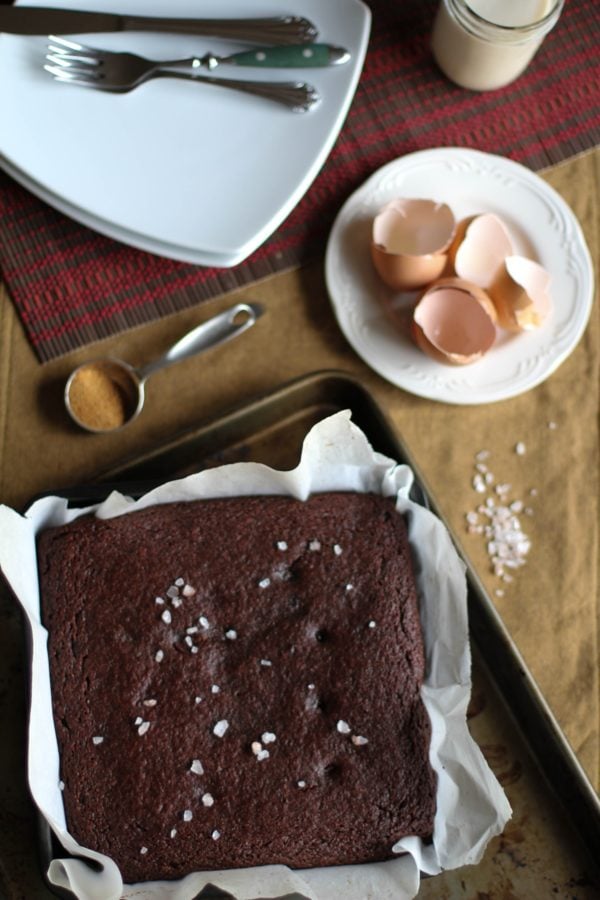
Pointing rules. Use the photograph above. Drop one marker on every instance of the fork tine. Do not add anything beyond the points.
(64, 43)
(71, 75)
(69, 59)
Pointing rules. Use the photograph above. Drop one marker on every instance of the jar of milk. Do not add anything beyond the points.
(485, 44)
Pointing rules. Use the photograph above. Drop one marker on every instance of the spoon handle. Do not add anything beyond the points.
(220, 328)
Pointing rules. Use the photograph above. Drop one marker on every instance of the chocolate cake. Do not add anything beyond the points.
(236, 683)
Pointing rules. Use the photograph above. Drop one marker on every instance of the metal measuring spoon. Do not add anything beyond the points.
(106, 394)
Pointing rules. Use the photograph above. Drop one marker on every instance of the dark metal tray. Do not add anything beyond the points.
(551, 847)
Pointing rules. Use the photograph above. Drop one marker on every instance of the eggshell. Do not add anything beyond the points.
(479, 249)
(454, 322)
(410, 241)
(521, 295)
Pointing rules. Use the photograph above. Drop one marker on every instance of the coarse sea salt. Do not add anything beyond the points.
(220, 728)
(343, 727)
(496, 519)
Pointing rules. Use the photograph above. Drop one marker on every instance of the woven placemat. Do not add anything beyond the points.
(72, 286)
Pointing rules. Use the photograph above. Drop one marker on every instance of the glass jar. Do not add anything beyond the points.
(485, 44)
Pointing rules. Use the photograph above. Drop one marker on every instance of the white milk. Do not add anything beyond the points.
(491, 48)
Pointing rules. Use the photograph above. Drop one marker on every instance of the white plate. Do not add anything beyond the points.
(542, 227)
(195, 172)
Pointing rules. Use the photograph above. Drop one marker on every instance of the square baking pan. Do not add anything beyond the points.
(551, 847)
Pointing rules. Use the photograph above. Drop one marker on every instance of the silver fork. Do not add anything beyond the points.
(72, 63)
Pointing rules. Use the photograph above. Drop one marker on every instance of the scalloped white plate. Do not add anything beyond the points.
(542, 227)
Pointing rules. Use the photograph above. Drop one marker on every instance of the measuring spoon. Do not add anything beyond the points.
(106, 394)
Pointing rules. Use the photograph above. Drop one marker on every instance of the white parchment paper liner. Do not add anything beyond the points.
(471, 806)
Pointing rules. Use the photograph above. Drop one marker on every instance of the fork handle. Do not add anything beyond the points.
(274, 30)
(296, 95)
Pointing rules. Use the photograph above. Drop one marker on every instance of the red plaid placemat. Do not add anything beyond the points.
(72, 286)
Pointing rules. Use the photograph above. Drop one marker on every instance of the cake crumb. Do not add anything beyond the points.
(220, 728)
(343, 727)
(208, 799)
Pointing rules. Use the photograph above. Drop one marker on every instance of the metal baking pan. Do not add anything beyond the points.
(551, 847)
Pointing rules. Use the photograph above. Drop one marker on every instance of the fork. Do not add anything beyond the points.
(72, 63)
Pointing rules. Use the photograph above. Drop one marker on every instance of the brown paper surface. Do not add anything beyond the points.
(551, 608)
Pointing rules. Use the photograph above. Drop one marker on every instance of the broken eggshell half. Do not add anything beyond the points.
(410, 241)
(454, 322)
(479, 248)
(520, 292)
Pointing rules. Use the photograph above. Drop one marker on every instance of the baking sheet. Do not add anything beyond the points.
(551, 846)
(471, 805)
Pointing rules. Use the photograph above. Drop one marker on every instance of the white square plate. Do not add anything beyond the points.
(185, 170)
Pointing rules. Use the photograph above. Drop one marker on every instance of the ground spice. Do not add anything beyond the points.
(97, 400)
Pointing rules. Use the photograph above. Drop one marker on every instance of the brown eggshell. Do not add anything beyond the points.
(520, 292)
(454, 322)
(410, 240)
(479, 249)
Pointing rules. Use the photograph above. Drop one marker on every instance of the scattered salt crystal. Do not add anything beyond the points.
(256, 747)
(193, 629)
(61, 785)
(479, 484)
(176, 602)
(166, 616)
(179, 582)
(197, 700)
(159, 600)
(314, 545)
(337, 550)
(359, 741)
(143, 850)
(143, 728)
(188, 591)
(264, 583)
(231, 634)
(173, 591)
(343, 727)
(268, 737)
(193, 649)
(216, 835)
(159, 656)
(282, 545)
(482, 454)
(311, 687)
(97, 740)
(150, 702)
(196, 767)
(349, 587)
(266, 662)
(208, 799)
(189, 641)
(264, 754)
(187, 815)
(520, 448)
(215, 689)
(533, 492)
(552, 426)
(203, 621)
(372, 624)
(173, 832)
(499, 592)
(221, 727)
(138, 720)
(301, 784)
